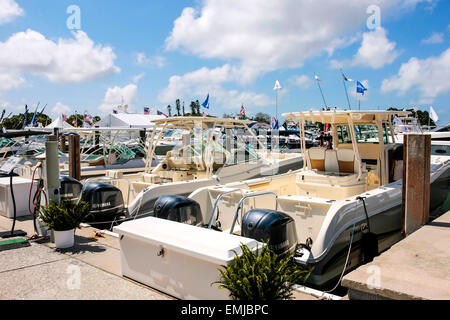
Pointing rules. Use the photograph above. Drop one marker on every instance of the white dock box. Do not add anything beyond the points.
(178, 259)
(21, 188)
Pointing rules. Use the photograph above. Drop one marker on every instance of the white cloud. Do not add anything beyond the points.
(69, 60)
(138, 77)
(9, 10)
(119, 96)
(430, 76)
(302, 81)
(156, 61)
(200, 82)
(271, 35)
(10, 80)
(375, 52)
(60, 108)
(436, 37)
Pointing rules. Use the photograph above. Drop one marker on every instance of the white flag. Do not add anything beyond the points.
(277, 86)
(433, 115)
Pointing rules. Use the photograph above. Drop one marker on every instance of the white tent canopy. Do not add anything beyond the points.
(59, 123)
(128, 120)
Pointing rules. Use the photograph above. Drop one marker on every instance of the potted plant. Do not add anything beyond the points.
(261, 275)
(63, 218)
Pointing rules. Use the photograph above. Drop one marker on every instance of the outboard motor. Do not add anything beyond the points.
(269, 225)
(105, 201)
(179, 209)
(70, 189)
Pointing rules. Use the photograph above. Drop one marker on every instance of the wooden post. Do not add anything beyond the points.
(416, 182)
(74, 157)
(62, 143)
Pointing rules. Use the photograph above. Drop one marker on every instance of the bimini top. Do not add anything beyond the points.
(204, 122)
(342, 116)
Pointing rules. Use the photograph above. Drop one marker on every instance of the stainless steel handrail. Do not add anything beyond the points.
(251, 196)
(215, 205)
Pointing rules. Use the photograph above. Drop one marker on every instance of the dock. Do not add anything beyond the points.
(416, 268)
(88, 271)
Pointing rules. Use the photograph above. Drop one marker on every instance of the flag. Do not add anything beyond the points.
(206, 103)
(345, 78)
(74, 122)
(317, 78)
(146, 110)
(274, 123)
(360, 88)
(433, 115)
(87, 118)
(277, 86)
(242, 111)
(64, 117)
(161, 113)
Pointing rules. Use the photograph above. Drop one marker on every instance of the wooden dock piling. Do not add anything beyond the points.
(74, 157)
(416, 182)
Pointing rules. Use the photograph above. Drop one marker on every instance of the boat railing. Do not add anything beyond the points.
(240, 206)
(216, 203)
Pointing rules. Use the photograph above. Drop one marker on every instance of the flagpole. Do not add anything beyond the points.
(276, 105)
(322, 94)
(345, 88)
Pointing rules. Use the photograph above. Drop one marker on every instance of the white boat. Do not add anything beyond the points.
(322, 206)
(210, 154)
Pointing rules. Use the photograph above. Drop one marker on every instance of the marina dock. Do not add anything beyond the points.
(415, 268)
(41, 272)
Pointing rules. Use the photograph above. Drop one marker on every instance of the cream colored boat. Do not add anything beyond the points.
(324, 203)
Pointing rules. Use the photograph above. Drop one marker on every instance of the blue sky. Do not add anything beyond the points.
(149, 53)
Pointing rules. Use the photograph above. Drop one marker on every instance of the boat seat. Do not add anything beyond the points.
(331, 161)
(346, 161)
(316, 158)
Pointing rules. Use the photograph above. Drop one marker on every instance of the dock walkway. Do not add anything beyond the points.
(88, 271)
(417, 267)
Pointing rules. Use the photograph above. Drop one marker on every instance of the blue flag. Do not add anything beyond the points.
(206, 103)
(360, 88)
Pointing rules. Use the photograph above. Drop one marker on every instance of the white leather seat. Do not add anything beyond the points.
(331, 161)
(346, 161)
(316, 158)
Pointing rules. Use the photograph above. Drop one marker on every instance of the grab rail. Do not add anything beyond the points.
(215, 205)
(251, 196)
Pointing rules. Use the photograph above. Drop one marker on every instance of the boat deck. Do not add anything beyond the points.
(414, 268)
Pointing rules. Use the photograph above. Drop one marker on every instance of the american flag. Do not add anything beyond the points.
(242, 111)
(74, 122)
(64, 117)
(87, 118)
(161, 114)
(146, 110)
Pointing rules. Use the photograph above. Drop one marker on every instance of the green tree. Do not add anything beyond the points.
(17, 121)
(262, 117)
(177, 103)
(79, 120)
(197, 105)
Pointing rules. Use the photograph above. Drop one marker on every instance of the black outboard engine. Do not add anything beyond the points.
(179, 209)
(269, 225)
(70, 189)
(105, 201)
